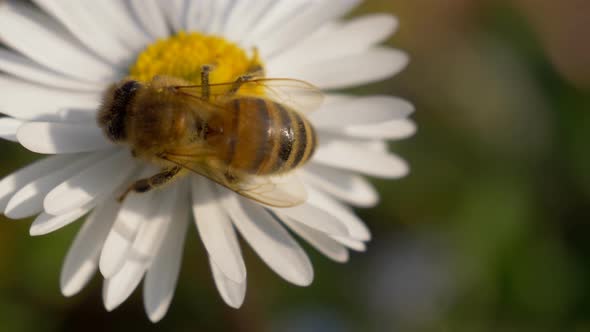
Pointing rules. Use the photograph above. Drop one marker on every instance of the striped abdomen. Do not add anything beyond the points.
(264, 138)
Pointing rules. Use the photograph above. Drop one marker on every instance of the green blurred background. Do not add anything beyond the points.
(488, 233)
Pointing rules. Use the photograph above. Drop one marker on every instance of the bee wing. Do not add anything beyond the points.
(278, 191)
(298, 95)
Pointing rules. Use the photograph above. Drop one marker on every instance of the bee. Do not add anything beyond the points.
(247, 135)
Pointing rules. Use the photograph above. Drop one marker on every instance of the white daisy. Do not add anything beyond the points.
(62, 55)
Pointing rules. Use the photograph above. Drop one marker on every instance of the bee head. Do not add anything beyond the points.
(114, 108)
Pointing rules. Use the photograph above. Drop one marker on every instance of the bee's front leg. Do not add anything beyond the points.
(157, 180)
(205, 85)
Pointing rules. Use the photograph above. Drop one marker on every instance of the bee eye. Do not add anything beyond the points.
(113, 115)
(127, 90)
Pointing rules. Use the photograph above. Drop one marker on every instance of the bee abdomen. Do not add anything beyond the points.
(284, 139)
(295, 142)
(266, 138)
(306, 141)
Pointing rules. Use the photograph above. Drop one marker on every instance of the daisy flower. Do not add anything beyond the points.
(61, 55)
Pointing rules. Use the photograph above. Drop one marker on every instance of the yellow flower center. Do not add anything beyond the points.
(184, 54)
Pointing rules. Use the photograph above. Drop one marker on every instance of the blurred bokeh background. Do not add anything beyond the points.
(489, 232)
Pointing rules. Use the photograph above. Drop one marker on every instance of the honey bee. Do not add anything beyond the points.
(247, 135)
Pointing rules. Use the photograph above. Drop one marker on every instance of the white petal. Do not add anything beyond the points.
(90, 29)
(28, 201)
(361, 111)
(331, 99)
(370, 29)
(160, 279)
(151, 17)
(389, 130)
(298, 26)
(219, 14)
(231, 292)
(28, 101)
(315, 218)
(15, 181)
(323, 243)
(337, 40)
(116, 16)
(269, 239)
(356, 227)
(244, 16)
(198, 14)
(100, 179)
(275, 17)
(152, 232)
(49, 44)
(337, 153)
(135, 210)
(53, 137)
(216, 231)
(124, 25)
(20, 66)
(8, 128)
(118, 288)
(377, 146)
(146, 245)
(81, 261)
(353, 244)
(348, 71)
(175, 11)
(47, 223)
(344, 185)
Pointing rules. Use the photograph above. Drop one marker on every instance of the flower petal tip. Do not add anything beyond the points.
(69, 290)
(155, 315)
(303, 279)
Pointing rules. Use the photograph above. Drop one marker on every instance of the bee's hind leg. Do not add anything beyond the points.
(256, 71)
(238, 84)
(155, 181)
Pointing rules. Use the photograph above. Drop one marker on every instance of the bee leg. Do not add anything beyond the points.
(230, 178)
(238, 83)
(155, 181)
(256, 71)
(205, 89)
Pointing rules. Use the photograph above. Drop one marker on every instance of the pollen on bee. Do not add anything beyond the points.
(184, 54)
